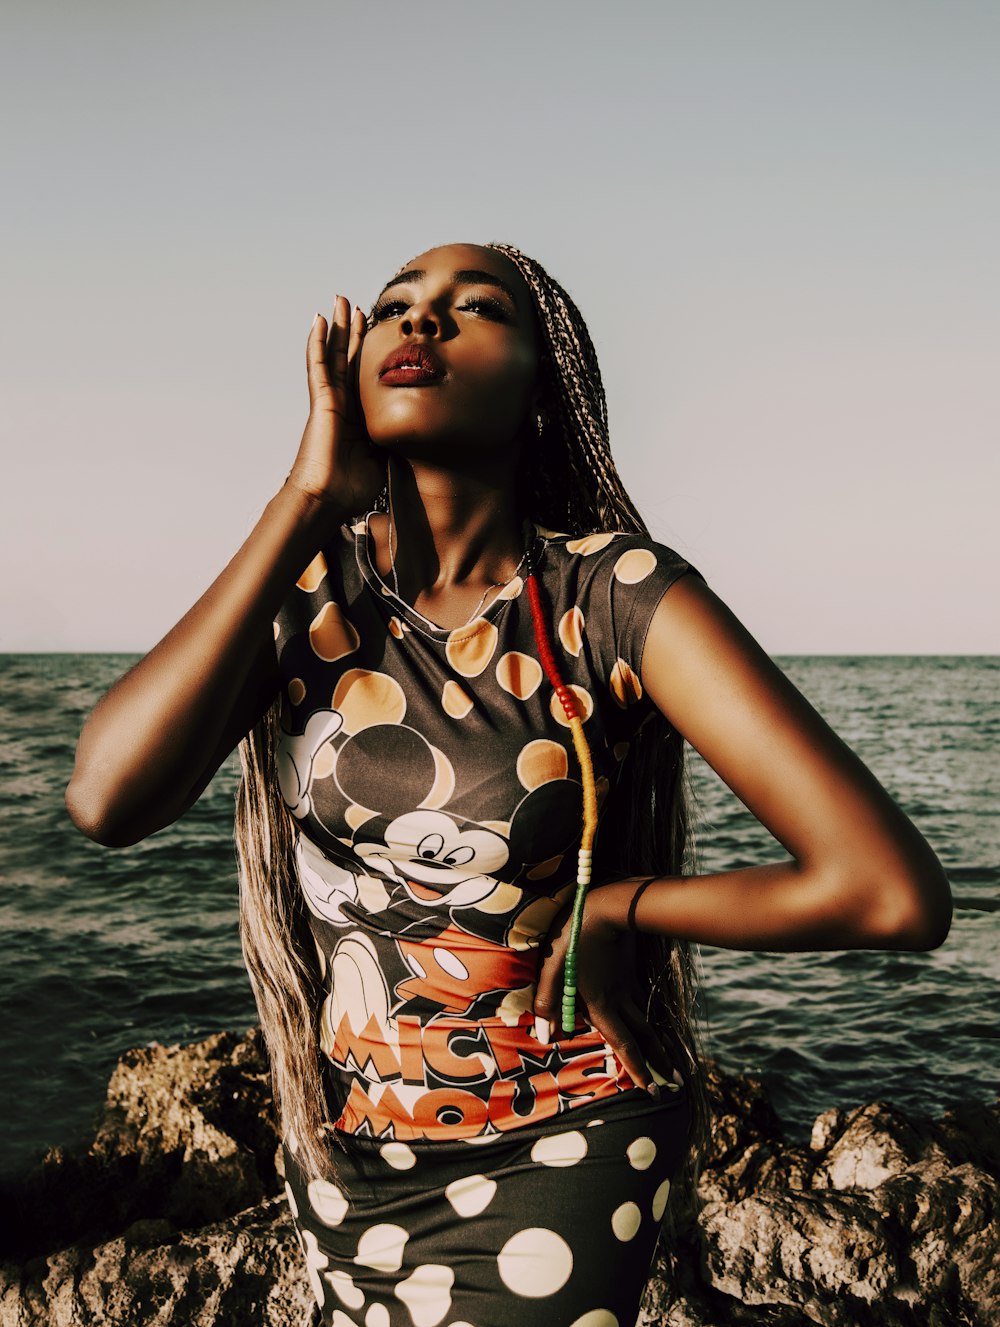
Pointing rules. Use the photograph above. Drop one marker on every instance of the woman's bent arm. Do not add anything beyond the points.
(861, 875)
(153, 742)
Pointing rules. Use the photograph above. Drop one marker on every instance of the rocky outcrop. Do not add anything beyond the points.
(881, 1220)
(173, 1214)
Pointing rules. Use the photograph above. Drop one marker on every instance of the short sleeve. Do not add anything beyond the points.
(620, 581)
(641, 577)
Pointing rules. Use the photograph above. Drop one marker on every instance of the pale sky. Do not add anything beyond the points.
(779, 218)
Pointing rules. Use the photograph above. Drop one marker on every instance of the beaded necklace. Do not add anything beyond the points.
(586, 853)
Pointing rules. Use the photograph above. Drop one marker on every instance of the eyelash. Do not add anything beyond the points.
(484, 304)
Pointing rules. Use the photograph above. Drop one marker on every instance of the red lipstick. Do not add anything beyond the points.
(411, 366)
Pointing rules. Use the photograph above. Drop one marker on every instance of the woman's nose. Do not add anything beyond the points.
(420, 319)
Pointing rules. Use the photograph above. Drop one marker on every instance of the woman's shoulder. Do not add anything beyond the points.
(629, 557)
(606, 585)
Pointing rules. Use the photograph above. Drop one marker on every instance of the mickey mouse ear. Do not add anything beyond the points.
(388, 768)
(546, 822)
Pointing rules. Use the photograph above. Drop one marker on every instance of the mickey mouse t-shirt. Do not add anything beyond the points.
(437, 800)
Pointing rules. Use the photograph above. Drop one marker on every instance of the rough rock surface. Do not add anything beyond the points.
(173, 1214)
(882, 1220)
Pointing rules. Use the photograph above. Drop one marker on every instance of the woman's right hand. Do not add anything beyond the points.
(336, 462)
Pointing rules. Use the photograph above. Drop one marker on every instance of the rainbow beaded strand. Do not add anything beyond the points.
(585, 858)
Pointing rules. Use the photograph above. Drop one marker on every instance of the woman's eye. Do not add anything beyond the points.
(390, 309)
(481, 305)
(487, 307)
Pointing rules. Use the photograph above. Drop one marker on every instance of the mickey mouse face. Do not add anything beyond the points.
(398, 788)
(437, 862)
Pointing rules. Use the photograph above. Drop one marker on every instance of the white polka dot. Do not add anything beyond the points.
(596, 1318)
(451, 964)
(316, 1260)
(641, 1153)
(626, 1220)
(660, 1200)
(327, 1202)
(415, 967)
(293, 1206)
(461, 1324)
(535, 1262)
(398, 1155)
(593, 1123)
(471, 1195)
(342, 1285)
(341, 1319)
(560, 1149)
(381, 1247)
(292, 1141)
(377, 1316)
(427, 1293)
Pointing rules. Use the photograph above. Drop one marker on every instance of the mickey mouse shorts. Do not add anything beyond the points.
(553, 1225)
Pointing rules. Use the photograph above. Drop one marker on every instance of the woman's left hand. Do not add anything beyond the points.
(607, 989)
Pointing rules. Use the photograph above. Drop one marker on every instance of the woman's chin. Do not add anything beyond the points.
(448, 450)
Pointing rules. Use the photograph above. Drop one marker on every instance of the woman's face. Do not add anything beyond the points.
(452, 356)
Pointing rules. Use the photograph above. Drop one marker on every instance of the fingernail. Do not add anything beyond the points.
(542, 1032)
(653, 1091)
(316, 318)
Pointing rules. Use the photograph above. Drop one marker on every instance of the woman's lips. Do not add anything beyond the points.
(411, 366)
(409, 375)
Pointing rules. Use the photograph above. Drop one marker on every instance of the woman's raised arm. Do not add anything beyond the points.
(153, 742)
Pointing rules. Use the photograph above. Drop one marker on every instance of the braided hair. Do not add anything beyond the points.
(568, 481)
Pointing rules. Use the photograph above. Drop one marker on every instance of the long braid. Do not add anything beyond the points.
(571, 380)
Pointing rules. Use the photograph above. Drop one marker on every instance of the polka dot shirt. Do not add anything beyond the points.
(431, 777)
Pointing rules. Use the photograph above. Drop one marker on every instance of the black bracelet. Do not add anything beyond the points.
(630, 918)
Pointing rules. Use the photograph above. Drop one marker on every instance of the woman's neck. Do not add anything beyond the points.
(449, 537)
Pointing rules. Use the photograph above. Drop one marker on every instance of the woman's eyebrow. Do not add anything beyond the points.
(466, 276)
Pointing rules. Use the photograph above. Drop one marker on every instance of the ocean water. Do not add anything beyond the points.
(105, 949)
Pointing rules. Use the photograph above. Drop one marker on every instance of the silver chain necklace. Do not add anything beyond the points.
(496, 585)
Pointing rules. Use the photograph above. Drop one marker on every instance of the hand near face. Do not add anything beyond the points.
(336, 462)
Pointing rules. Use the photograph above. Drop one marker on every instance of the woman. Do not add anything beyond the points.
(449, 651)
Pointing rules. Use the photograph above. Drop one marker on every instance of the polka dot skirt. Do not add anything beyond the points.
(553, 1225)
